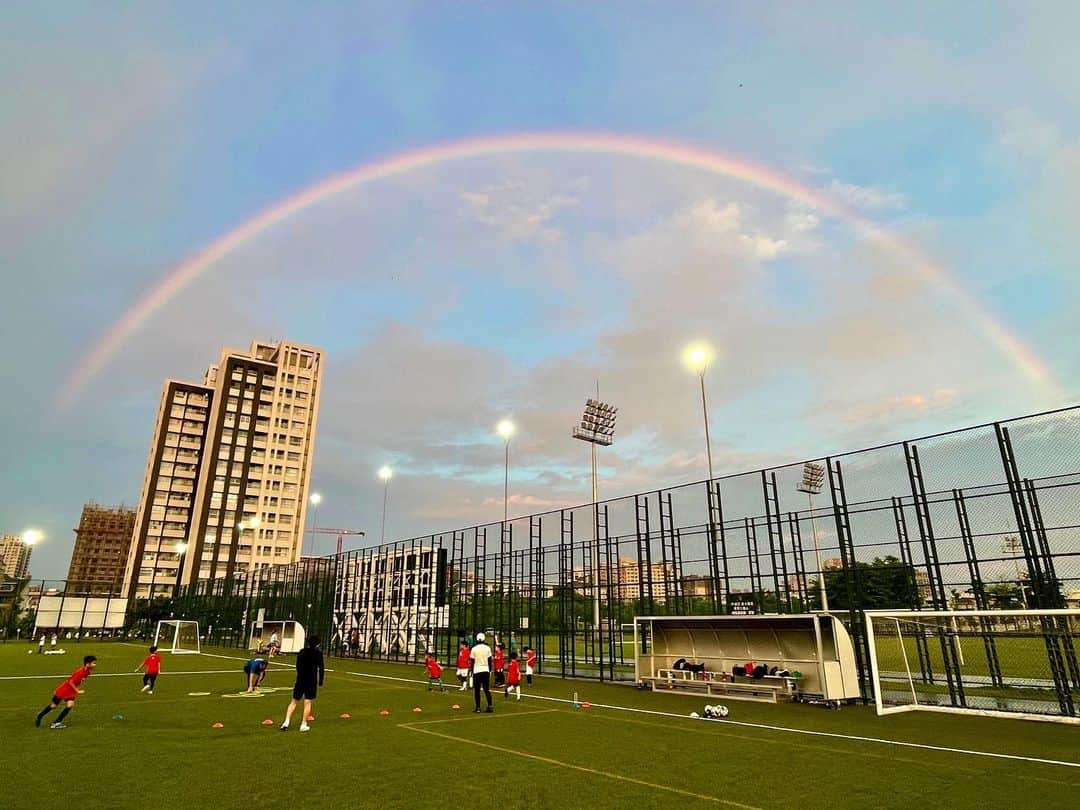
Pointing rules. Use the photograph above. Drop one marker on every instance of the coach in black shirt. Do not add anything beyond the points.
(310, 673)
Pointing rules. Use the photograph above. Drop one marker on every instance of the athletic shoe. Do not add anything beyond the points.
(284, 726)
(57, 725)
(305, 727)
(476, 710)
(489, 710)
(150, 692)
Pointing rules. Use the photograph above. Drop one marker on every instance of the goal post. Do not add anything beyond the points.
(177, 636)
(1000, 663)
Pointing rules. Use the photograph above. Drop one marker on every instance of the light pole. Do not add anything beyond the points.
(181, 549)
(315, 499)
(385, 473)
(597, 428)
(697, 357)
(812, 478)
(506, 429)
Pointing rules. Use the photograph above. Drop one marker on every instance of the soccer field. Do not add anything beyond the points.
(541, 750)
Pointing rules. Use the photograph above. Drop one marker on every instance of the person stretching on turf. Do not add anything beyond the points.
(309, 676)
(255, 672)
(67, 692)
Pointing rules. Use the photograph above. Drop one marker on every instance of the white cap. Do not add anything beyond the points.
(480, 636)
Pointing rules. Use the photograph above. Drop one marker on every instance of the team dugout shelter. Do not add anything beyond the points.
(803, 657)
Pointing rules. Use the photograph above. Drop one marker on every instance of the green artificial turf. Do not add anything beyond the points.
(164, 752)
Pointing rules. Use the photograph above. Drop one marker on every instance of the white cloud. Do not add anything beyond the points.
(1030, 136)
(517, 214)
(867, 198)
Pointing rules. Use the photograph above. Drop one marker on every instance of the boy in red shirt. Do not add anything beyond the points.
(67, 692)
(513, 677)
(530, 664)
(153, 669)
(463, 666)
(499, 659)
(434, 673)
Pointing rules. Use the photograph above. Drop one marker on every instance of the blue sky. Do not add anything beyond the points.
(131, 137)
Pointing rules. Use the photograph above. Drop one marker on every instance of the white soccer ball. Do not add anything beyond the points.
(722, 711)
(695, 715)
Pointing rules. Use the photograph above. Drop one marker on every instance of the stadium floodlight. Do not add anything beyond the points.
(597, 427)
(697, 357)
(506, 429)
(813, 477)
(32, 537)
(315, 500)
(385, 473)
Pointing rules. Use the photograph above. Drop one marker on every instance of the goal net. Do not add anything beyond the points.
(177, 636)
(1018, 663)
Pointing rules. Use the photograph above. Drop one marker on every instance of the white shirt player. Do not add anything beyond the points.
(481, 657)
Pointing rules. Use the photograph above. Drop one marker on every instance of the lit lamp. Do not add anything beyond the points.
(812, 479)
(697, 357)
(315, 500)
(506, 430)
(385, 474)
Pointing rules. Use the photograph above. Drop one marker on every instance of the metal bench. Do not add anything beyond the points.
(767, 689)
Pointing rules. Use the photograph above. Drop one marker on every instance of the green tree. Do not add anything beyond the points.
(887, 582)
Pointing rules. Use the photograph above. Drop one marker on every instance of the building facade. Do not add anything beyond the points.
(14, 556)
(102, 542)
(247, 435)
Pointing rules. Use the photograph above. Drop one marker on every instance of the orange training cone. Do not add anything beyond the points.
(268, 722)
(456, 706)
(417, 709)
(384, 713)
(346, 716)
(586, 705)
(218, 725)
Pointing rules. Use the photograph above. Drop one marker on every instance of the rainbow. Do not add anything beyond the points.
(672, 153)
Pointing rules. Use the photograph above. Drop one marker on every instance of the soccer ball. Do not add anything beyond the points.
(721, 711)
(716, 712)
(695, 715)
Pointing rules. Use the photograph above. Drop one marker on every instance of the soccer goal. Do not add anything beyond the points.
(1001, 663)
(177, 636)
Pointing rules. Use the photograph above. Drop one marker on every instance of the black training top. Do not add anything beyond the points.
(309, 661)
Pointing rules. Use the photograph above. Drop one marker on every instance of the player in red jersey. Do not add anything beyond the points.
(499, 660)
(513, 677)
(67, 692)
(530, 664)
(463, 666)
(434, 672)
(152, 664)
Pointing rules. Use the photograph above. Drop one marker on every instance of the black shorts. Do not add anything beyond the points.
(304, 691)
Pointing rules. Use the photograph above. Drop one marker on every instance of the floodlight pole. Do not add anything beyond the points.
(596, 536)
(506, 483)
(385, 495)
(810, 485)
(705, 411)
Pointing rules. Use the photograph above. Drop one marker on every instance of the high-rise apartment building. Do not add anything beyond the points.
(14, 556)
(163, 522)
(101, 549)
(236, 499)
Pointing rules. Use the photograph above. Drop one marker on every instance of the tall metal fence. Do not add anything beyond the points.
(980, 518)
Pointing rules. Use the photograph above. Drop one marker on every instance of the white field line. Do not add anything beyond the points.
(768, 727)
